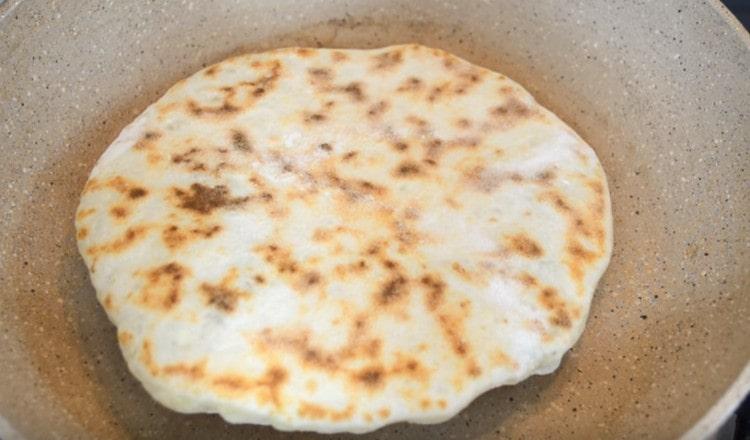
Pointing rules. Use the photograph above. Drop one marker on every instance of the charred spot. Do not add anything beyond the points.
(240, 141)
(221, 297)
(371, 376)
(525, 245)
(259, 91)
(266, 196)
(377, 109)
(151, 135)
(350, 155)
(260, 279)
(392, 290)
(325, 146)
(430, 162)
(408, 169)
(136, 193)
(204, 199)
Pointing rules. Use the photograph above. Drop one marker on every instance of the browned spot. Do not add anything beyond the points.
(82, 214)
(524, 245)
(118, 212)
(130, 237)
(82, 233)
(314, 411)
(211, 71)
(527, 279)
(545, 177)
(224, 109)
(305, 52)
(435, 290)
(556, 306)
(314, 117)
(452, 328)
(392, 290)
(463, 123)
(417, 122)
(354, 91)
(511, 112)
(240, 141)
(388, 60)
(272, 381)
(147, 358)
(437, 92)
(125, 337)
(325, 146)
(371, 377)
(204, 199)
(318, 75)
(108, 304)
(339, 56)
(407, 169)
(163, 287)
(193, 372)
(400, 146)
(473, 369)
(232, 384)
(442, 404)
(384, 413)
(350, 155)
(425, 404)
(222, 296)
(260, 279)
(147, 141)
(376, 110)
(174, 237)
(411, 84)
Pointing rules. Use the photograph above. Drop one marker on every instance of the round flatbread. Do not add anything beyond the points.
(334, 240)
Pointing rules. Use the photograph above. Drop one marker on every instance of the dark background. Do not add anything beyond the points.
(741, 9)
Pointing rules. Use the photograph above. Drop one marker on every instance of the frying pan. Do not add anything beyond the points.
(659, 89)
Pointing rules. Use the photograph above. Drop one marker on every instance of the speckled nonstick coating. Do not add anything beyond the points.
(659, 89)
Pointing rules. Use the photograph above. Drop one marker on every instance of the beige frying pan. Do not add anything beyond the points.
(660, 89)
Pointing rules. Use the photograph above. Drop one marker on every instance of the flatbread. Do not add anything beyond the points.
(335, 240)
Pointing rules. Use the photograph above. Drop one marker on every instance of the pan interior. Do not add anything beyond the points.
(662, 101)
